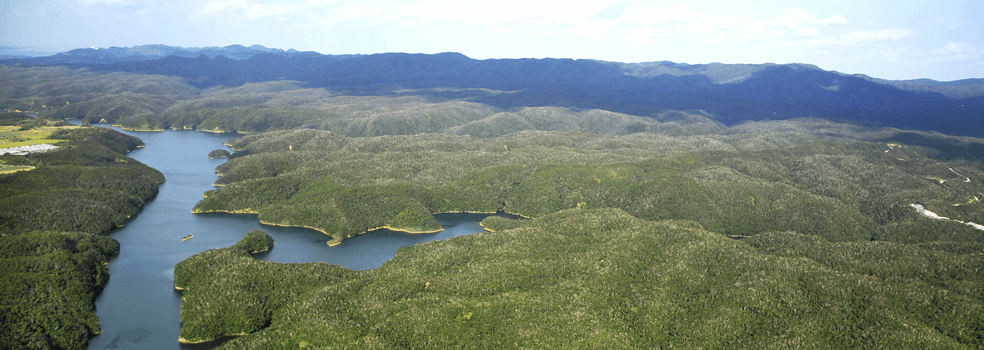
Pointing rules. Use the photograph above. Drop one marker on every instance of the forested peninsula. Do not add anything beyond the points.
(52, 218)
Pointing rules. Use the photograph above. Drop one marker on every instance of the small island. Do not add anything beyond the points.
(218, 153)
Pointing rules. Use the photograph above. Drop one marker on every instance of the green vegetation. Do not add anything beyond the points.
(12, 118)
(50, 283)
(246, 297)
(13, 169)
(89, 185)
(742, 183)
(596, 278)
(154, 103)
(255, 242)
(52, 277)
(628, 246)
(30, 132)
(218, 153)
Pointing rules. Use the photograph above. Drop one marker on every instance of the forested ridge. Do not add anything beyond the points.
(51, 220)
(228, 95)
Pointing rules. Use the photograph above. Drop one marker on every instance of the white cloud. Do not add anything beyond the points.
(651, 14)
(592, 28)
(879, 35)
(791, 18)
(644, 35)
(105, 2)
(838, 19)
(503, 29)
(807, 31)
(952, 48)
(722, 28)
(794, 18)
(542, 33)
(361, 12)
(212, 7)
(500, 12)
(754, 36)
(254, 10)
(954, 52)
(261, 10)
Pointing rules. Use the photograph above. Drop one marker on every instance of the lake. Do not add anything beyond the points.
(139, 308)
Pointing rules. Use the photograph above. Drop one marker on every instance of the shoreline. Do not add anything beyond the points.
(336, 240)
(483, 212)
(186, 341)
(184, 128)
(137, 130)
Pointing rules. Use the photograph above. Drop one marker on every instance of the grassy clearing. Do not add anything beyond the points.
(13, 169)
(11, 136)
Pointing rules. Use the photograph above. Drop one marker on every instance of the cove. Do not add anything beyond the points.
(139, 308)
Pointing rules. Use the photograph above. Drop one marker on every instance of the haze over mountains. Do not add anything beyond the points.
(732, 93)
(117, 54)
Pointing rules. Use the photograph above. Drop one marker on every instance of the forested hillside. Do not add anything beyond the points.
(597, 278)
(743, 182)
(629, 239)
(51, 217)
(88, 185)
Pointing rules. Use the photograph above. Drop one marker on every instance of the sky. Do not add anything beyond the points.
(897, 39)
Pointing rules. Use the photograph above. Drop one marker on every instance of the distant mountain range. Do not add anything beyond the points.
(152, 52)
(733, 93)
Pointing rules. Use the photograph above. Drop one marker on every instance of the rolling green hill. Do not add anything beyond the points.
(743, 182)
(597, 278)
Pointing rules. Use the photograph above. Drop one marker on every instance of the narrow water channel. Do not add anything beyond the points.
(139, 308)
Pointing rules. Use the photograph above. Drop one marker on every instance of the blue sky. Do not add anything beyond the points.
(905, 39)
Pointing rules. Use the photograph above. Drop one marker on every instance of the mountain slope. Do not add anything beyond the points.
(731, 93)
(753, 93)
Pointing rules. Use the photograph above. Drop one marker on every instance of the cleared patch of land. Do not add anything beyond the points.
(11, 136)
(13, 140)
(13, 169)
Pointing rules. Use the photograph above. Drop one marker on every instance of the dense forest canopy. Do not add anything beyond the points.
(596, 278)
(839, 234)
(52, 252)
(776, 206)
(744, 181)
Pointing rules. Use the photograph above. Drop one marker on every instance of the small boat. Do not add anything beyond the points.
(186, 237)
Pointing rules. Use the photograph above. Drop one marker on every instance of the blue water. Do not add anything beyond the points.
(139, 308)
